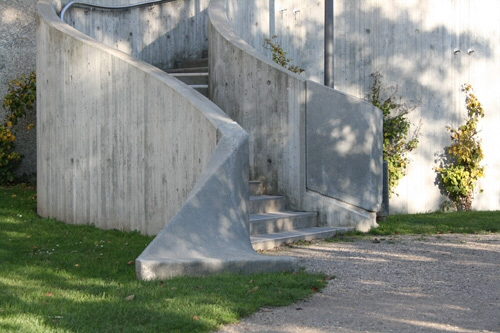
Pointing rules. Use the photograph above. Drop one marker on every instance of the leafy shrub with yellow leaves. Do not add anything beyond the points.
(21, 97)
(460, 171)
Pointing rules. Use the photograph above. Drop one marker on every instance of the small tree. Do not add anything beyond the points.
(461, 168)
(398, 142)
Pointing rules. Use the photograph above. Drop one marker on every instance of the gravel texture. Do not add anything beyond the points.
(443, 283)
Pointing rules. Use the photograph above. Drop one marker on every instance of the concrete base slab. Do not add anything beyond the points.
(210, 235)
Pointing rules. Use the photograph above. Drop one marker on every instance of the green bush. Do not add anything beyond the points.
(461, 168)
(398, 141)
(279, 55)
(21, 97)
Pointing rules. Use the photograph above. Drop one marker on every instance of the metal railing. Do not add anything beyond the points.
(117, 7)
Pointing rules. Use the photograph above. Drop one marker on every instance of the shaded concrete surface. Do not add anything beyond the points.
(443, 283)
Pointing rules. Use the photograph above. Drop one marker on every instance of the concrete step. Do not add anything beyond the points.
(272, 226)
(201, 88)
(201, 62)
(256, 188)
(271, 241)
(192, 78)
(188, 70)
(281, 221)
(266, 204)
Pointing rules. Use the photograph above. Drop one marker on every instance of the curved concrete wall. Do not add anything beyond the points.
(297, 24)
(120, 143)
(272, 105)
(159, 34)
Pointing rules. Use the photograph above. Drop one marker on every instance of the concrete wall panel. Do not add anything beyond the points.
(412, 44)
(343, 138)
(271, 104)
(120, 143)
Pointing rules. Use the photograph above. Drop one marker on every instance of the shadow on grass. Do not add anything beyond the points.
(56, 277)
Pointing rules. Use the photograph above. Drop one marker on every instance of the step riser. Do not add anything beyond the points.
(203, 91)
(187, 70)
(256, 188)
(192, 78)
(259, 206)
(269, 226)
(193, 63)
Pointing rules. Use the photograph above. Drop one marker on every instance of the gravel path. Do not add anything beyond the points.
(444, 283)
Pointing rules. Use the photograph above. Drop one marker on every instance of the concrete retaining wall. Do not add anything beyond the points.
(297, 24)
(120, 143)
(271, 103)
(412, 44)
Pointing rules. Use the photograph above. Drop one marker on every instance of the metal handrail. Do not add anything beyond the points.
(86, 4)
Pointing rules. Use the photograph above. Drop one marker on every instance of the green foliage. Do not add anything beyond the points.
(57, 277)
(398, 142)
(20, 98)
(462, 168)
(279, 55)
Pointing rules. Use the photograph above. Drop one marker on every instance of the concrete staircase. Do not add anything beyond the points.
(271, 225)
(194, 73)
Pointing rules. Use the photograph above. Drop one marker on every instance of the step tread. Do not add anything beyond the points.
(184, 74)
(265, 197)
(187, 70)
(278, 215)
(270, 241)
(299, 232)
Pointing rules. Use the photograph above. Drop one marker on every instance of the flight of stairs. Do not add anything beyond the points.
(193, 72)
(271, 225)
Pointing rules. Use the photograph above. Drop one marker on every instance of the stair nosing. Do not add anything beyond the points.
(276, 239)
(278, 215)
(189, 74)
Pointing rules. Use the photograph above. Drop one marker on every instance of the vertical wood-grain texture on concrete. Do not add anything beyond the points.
(120, 143)
(413, 45)
(428, 50)
(272, 104)
(159, 34)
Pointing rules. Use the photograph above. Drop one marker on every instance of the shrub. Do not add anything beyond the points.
(461, 168)
(279, 55)
(398, 141)
(20, 98)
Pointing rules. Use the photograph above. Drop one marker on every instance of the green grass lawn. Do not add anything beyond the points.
(56, 277)
(440, 223)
